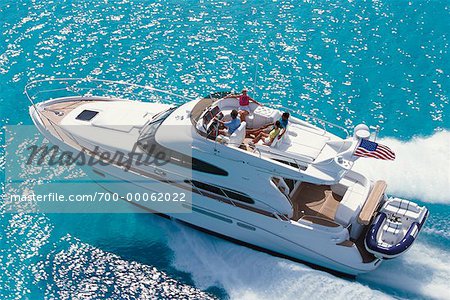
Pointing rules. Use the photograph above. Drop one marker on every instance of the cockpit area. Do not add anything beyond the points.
(213, 109)
(300, 145)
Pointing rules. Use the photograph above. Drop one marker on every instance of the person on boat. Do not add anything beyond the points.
(268, 137)
(284, 121)
(244, 103)
(231, 125)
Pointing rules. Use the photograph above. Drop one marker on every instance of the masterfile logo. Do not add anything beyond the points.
(45, 177)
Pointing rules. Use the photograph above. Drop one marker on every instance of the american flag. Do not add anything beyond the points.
(371, 149)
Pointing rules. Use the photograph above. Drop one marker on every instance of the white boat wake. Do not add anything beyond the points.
(417, 172)
(423, 271)
(247, 274)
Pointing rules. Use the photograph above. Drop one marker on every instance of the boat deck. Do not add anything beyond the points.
(56, 112)
(302, 142)
(51, 115)
(316, 203)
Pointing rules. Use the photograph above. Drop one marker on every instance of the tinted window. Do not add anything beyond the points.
(286, 163)
(239, 196)
(149, 130)
(201, 166)
(207, 187)
(215, 110)
(220, 191)
(86, 115)
(148, 143)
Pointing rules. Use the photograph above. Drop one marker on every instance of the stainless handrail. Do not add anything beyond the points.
(29, 85)
(301, 113)
(74, 88)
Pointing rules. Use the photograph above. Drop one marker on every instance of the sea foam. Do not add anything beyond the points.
(421, 169)
(423, 271)
(247, 274)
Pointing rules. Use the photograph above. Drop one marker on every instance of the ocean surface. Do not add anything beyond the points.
(381, 62)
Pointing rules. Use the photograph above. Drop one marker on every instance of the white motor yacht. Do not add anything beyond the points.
(297, 197)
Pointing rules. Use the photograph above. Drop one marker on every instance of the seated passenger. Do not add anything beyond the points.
(268, 137)
(244, 102)
(231, 125)
(284, 120)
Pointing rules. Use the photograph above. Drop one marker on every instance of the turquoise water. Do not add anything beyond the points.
(381, 62)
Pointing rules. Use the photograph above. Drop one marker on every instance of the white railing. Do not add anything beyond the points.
(90, 89)
(325, 124)
(86, 87)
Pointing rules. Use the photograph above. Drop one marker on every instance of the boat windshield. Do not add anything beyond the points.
(150, 129)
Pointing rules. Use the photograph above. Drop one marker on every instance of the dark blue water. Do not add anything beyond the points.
(381, 62)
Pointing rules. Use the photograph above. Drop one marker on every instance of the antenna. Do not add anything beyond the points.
(256, 74)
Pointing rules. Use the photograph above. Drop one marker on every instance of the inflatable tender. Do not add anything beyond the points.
(395, 228)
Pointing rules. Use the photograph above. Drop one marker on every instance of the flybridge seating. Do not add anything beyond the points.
(302, 142)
